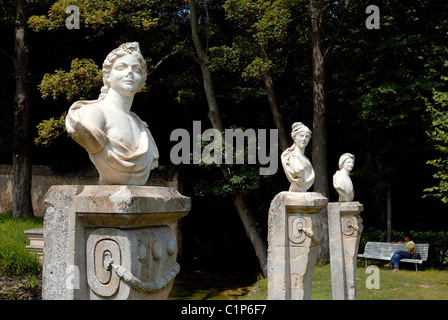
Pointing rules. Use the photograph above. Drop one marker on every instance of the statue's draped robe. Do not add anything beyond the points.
(116, 161)
(344, 186)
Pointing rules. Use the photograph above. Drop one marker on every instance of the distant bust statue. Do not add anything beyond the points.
(119, 143)
(297, 167)
(341, 179)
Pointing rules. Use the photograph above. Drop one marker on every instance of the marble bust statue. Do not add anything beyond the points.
(341, 179)
(297, 167)
(118, 142)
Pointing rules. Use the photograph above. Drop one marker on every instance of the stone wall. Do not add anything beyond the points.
(46, 176)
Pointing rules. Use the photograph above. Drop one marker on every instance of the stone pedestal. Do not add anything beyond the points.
(294, 235)
(344, 228)
(110, 242)
(36, 238)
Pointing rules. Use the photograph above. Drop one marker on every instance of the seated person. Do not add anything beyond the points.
(409, 248)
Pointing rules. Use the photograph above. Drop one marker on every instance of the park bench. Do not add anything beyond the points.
(385, 250)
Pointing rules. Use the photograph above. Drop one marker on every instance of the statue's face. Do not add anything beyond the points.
(126, 75)
(349, 164)
(302, 138)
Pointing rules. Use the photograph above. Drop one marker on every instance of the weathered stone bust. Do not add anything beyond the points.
(297, 167)
(341, 179)
(119, 143)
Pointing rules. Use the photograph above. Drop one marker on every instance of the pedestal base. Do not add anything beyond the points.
(294, 235)
(110, 242)
(344, 229)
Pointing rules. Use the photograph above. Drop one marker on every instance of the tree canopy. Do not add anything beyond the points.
(385, 95)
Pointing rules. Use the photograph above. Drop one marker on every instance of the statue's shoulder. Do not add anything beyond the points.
(139, 120)
(90, 113)
(339, 175)
(287, 153)
(86, 106)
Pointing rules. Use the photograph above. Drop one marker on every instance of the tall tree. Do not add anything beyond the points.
(319, 153)
(22, 204)
(319, 141)
(202, 53)
(262, 33)
(239, 199)
(21, 153)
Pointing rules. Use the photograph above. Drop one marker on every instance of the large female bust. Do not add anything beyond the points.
(119, 143)
(297, 167)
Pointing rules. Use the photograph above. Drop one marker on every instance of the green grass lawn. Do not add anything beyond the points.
(14, 257)
(406, 284)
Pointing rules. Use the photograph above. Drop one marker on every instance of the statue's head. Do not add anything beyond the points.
(300, 134)
(348, 160)
(126, 55)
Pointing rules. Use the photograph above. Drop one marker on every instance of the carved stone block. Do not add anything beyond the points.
(111, 242)
(345, 228)
(294, 235)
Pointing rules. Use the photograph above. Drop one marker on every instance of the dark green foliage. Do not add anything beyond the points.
(439, 135)
(83, 81)
(99, 15)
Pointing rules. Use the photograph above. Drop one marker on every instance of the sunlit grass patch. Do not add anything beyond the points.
(14, 257)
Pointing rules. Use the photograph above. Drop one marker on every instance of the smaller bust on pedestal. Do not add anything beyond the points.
(297, 167)
(341, 179)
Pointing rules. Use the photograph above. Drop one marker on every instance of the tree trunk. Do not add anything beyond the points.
(22, 204)
(319, 140)
(214, 114)
(239, 200)
(251, 230)
(273, 104)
